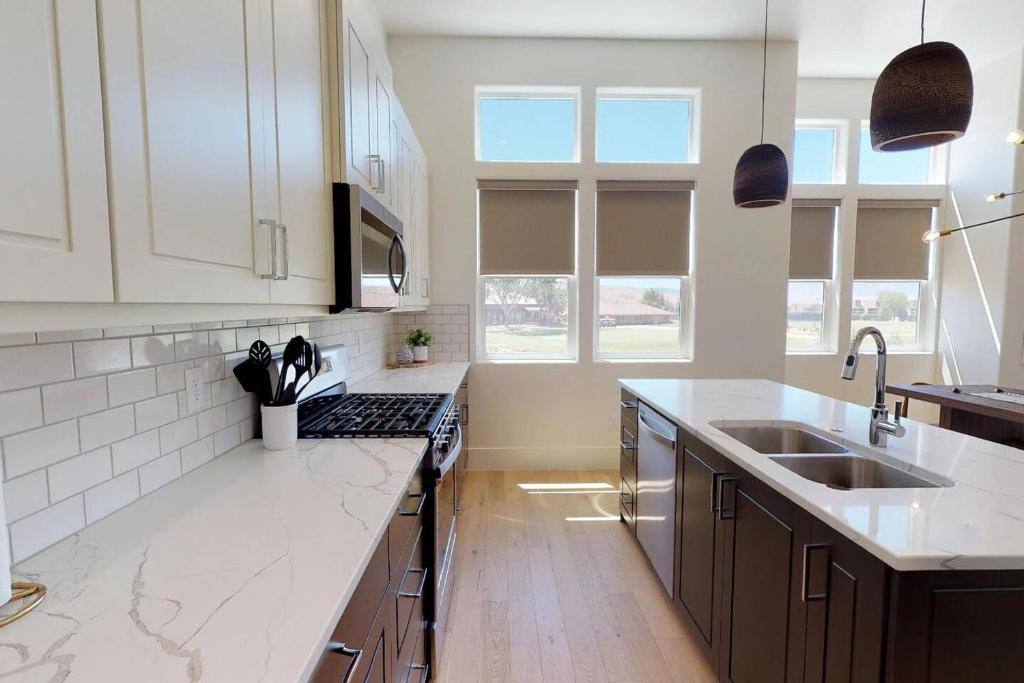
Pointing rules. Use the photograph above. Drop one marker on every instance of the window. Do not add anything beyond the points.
(805, 316)
(893, 307)
(643, 251)
(893, 168)
(536, 126)
(526, 317)
(888, 281)
(811, 258)
(815, 154)
(527, 241)
(644, 127)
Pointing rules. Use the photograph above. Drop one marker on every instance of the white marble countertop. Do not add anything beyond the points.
(435, 378)
(976, 524)
(237, 571)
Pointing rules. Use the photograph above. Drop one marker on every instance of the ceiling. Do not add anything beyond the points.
(841, 38)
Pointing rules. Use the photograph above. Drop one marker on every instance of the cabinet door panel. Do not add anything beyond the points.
(54, 224)
(187, 157)
(383, 141)
(302, 192)
(697, 542)
(360, 110)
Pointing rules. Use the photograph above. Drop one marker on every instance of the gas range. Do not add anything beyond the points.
(381, 416)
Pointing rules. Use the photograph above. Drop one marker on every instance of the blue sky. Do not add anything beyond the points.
(813, 151)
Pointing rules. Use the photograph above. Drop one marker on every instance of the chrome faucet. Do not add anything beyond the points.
(880, 425)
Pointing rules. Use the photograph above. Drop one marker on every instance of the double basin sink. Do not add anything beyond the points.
(818, 459)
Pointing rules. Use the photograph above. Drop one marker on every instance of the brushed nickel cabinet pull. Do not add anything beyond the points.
(342, 649)
(418, 593)
(419, 508)
(805, 580)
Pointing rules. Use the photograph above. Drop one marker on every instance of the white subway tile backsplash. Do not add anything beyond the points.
(156, 412)
(111, 496)
(131, 387)
(20, 410)
(76, 474)
(89, 391)
(178, 434)
(159, 472)
(25, 495)
(196, 454)
(138, 450)
(26, 366)
(102, 357)
(40, 447)
(153, 350)
(106, 427)
(70, 399)
(46, 527)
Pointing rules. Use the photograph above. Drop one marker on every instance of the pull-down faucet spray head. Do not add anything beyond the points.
(850, 366)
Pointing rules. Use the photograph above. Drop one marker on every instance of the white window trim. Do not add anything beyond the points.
(572, 321)
(828, 322)
(840, 146)
(535, 92)
(684, 323)
(691, 95)
(938, 163)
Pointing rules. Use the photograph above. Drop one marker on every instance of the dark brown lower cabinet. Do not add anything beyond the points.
(763, 613)
(627, 459)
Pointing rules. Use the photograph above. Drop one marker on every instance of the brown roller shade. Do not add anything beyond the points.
(889, 243)
(527, 227)
(810, 242)
(643, 228)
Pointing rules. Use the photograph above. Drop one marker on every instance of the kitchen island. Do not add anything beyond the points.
(787, 578)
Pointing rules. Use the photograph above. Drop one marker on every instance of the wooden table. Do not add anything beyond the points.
(962, 411)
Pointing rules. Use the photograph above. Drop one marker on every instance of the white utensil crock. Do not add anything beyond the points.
(419, 354)
(280, 426)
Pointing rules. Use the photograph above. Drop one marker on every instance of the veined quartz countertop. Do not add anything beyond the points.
(237, 571)
(443, 378)
(976, 524)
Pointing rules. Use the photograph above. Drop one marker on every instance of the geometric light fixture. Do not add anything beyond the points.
(1001, 195)
(933, 235)
(762, 174)
(923, 97)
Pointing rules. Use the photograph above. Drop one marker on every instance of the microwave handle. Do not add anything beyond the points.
(397, 286)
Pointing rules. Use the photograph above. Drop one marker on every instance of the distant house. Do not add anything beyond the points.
(636, 313)
(526, 312)
(866, 308)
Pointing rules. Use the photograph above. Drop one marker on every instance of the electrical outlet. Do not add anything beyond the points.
(194, 390)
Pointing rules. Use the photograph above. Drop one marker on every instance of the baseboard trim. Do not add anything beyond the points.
(555, 458)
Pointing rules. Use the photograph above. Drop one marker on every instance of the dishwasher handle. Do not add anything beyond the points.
(657, 435)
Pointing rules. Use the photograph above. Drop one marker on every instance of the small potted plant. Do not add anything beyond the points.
(419, 340)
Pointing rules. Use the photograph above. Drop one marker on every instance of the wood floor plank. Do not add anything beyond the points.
(496, 554)
(526, 663)
(646, 656)
(556, 662)
(522, 618)
(685, 663)
(495, 652)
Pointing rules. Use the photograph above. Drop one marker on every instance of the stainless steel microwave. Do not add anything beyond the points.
(370, 258)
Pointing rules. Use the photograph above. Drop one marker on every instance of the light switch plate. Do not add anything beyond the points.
(194, 390)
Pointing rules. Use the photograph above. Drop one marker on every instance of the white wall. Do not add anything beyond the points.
(566, 414)
(982, 317)
(849, 100)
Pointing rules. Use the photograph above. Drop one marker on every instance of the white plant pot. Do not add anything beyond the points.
(419, 354)
(280, 426)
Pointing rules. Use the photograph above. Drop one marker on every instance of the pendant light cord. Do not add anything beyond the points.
(764, 67)
(923, 2)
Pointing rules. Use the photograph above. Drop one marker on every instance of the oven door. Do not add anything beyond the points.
(446, 495)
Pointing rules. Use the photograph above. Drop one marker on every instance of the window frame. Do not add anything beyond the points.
(691, 95)
(827, 318)
(840, 147)
(500, 92)
(685, 306)
(572, 325)
(937, 165)
(922, 293)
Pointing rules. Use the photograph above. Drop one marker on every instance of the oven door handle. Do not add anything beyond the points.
(453, 455)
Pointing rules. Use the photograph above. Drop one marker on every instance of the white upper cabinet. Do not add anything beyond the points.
(382, 152)
(54, 226)
(360, 117)
(187, 156)
(302, 192)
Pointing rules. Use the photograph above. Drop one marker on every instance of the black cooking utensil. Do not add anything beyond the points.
(262, 359)
(314, 370)
(302, 366)
(294, 352)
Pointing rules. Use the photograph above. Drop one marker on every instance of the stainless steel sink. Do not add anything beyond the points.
(851, 472)
(782, 440)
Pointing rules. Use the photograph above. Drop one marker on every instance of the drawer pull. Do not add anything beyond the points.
(424, 670)
(628, 405)
(418, 593)
(806, 581)
(627, 445)
(341, 649)
(419, 508)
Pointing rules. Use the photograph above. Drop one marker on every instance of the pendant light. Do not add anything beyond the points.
(762, 173)
(922, 98)
(933, 235)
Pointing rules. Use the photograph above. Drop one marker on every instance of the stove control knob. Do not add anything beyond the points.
(444, 445)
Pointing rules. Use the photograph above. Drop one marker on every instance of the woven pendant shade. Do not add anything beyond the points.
(922, 98)
(762, 177)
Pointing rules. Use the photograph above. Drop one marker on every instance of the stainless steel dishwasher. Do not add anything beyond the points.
(656, 491)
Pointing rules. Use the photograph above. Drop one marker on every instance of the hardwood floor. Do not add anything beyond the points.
(549, 586)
